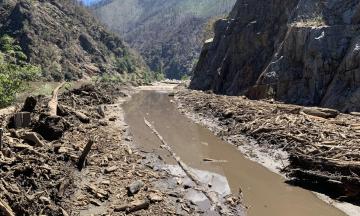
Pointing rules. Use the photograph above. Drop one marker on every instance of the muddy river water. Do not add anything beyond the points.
(265, 192)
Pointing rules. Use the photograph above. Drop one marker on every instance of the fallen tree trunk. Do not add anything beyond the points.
(81, 116)
(5, 208)
(340, 187)
(347, 168)
(355, 113)
(320, 112)
(52, 105)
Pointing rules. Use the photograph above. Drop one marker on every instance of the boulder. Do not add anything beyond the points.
(30, 104)
(134, 187)
(51, 127)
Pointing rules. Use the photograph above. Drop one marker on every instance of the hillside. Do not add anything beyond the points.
(65, 40)
(168, 33)
(302, 52)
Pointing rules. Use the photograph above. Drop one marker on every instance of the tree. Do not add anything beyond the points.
(14, 71)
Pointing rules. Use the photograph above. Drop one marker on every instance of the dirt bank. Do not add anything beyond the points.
(315, 148)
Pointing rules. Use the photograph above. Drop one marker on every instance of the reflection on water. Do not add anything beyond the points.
(219, 183)
(265, 193)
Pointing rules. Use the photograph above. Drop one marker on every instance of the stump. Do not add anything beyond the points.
(22, 120)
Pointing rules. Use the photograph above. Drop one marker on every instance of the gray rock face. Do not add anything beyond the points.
(297, 51)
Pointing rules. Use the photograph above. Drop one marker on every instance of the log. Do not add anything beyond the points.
(143, 204)
(82, 158)
(52, 105)
(320, 112)
(355, 113)
(343, 186)
(210, 160)
(325, 164)
(32, 137)
(5, 208)
(81, 116)
(134, 206)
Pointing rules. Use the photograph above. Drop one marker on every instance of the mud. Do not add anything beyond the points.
(265, 193)
(45, 179)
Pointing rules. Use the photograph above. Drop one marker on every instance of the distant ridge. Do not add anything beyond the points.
(167, 33)
(66, 40)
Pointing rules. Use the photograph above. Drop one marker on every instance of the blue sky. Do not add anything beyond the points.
(89, 2)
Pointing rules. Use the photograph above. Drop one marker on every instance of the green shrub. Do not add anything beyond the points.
(14, 71)
(12, 80)
(125, 64)
(185, 77)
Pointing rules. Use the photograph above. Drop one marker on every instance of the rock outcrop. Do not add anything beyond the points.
(65, 39)
(298, 51)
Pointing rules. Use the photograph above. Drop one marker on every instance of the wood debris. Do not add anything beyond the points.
(323, 144)
(39, 164)
(5, 209)
(53, 103)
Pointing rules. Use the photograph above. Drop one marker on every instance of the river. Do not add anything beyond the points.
(265, 192)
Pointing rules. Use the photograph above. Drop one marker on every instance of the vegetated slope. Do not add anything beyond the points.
(65, 39)
(304, 52)
(168, 33)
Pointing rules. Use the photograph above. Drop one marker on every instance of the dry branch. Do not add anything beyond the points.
(5, 208)
(84, 154)
(210, 160)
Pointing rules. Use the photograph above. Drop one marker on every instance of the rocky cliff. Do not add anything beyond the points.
(65, 40)
(167, 33)
(297, 51)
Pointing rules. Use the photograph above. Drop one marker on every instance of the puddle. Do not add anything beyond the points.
(215, 182)
(265, 192)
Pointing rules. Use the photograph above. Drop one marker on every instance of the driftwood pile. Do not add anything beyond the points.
(323, 145)
(36, 162)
